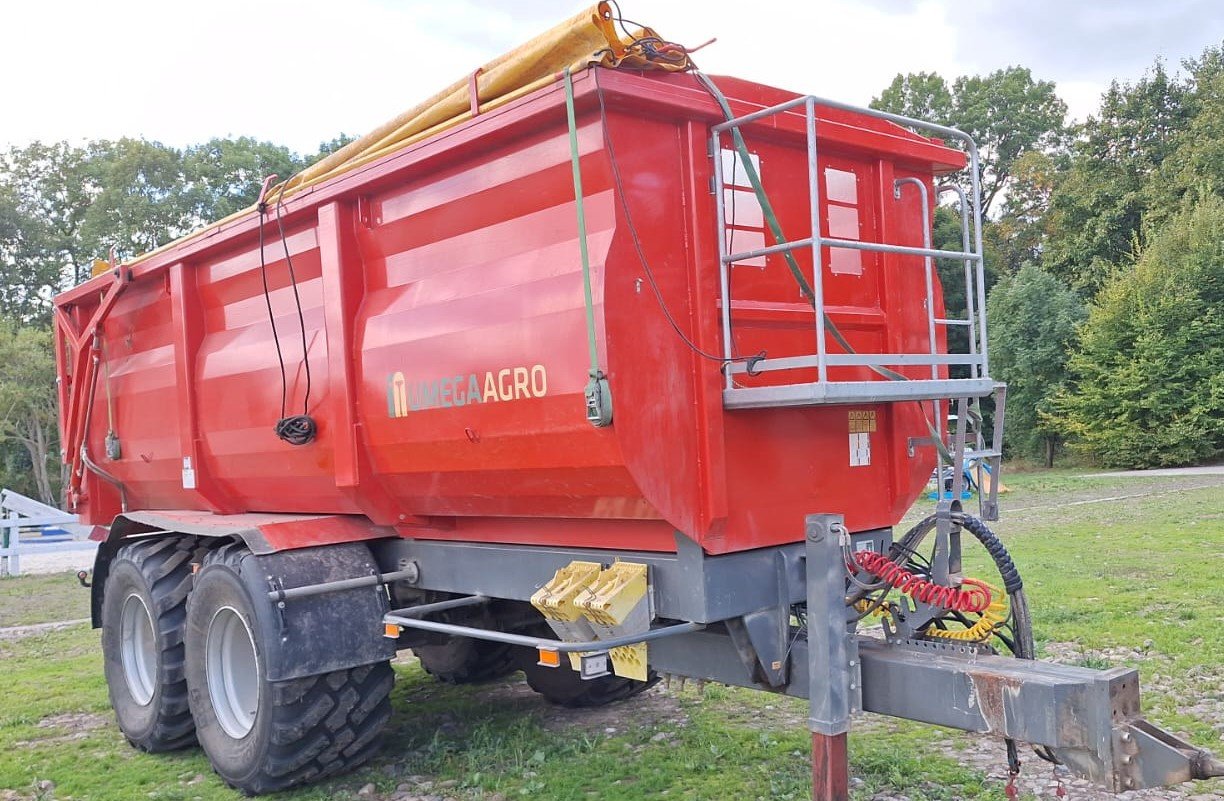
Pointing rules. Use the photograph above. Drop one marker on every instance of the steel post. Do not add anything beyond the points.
(832, 660)
(830, 768)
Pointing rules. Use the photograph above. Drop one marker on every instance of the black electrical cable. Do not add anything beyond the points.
(641, 254)
(263, 272)
(296, 429)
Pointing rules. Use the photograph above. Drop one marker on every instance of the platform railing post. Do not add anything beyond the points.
(832, 658)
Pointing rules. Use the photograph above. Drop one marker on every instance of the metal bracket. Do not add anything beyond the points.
(944, 646)
(761, 639)
(598, 401)
(831, 651)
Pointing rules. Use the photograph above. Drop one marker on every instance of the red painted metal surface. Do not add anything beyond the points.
(445, 328)
(830, 767)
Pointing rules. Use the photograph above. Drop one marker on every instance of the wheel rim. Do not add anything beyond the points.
(233, 672)
(138, 649)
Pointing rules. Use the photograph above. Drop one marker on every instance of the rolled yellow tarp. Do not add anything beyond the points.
(588, 38)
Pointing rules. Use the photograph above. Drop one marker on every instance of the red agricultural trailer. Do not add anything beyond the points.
(625, 371)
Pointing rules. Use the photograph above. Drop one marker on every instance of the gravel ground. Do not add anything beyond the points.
(62, 562)
(1205, 470)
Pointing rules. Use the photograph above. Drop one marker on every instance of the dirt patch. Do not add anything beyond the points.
(64, 728)
(655, 708)
(17, 632)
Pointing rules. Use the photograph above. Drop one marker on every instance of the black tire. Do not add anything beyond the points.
(300, 730)
(464, 660)
(150, 578)
(564, 687)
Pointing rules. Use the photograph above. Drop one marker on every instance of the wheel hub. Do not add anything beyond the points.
(233, 672)
(138, 649)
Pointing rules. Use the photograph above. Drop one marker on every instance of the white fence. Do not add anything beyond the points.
(20, 513)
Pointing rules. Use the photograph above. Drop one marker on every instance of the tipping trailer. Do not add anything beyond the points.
(593, 366)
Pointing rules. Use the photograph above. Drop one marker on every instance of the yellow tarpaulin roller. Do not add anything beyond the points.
(588, 38)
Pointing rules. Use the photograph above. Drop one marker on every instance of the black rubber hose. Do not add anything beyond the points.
(1012, 582)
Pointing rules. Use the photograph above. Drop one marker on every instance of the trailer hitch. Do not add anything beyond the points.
(1147, 756)
(1090, 719)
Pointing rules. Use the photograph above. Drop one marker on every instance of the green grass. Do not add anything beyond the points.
(42, 599)
(1133, 582)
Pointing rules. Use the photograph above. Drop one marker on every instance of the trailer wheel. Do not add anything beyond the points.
(564, 687)
(464, 660)
(260, 735)
(143, 616)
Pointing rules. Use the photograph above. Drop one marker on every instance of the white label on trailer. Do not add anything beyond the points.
(594, 665)
(188, 474)
(860, 449)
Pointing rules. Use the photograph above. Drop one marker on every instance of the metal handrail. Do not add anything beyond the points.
(970, 255)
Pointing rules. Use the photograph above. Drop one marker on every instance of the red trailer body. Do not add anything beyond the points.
(442, 295)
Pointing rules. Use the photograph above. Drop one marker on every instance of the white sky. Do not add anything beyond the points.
(297, 73)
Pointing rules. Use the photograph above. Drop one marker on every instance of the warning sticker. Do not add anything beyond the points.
(863, 421)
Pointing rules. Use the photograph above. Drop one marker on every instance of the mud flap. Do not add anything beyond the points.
(320, 633)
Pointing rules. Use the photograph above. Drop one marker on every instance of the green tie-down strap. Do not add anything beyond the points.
(575, 162)
(597, 393)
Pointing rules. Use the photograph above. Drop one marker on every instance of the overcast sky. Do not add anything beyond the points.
(299, 72)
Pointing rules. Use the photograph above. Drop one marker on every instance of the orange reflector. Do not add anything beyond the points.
(391, 630)
(549, 658)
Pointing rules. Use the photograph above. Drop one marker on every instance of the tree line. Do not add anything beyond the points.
(1105, 250)
(1104, 245)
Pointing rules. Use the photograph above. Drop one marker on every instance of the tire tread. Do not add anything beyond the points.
(165, 564)
(321, 725)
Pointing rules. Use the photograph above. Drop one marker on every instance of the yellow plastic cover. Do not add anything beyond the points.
(587, 39)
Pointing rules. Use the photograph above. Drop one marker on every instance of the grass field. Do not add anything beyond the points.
(1119, 571)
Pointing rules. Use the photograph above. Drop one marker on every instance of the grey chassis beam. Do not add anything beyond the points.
(686, 585)
(1089, 717)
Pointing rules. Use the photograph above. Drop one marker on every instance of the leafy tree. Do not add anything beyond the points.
(225, 175)
(142, 201)
(26, 280)
(62, 206)
(1194, 169)
(1019, 235)
(51, 189)
(1032, 318)
(922, 95)
(1097, 212)
(1006, 112)
(1149, 376)
(27, 403)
